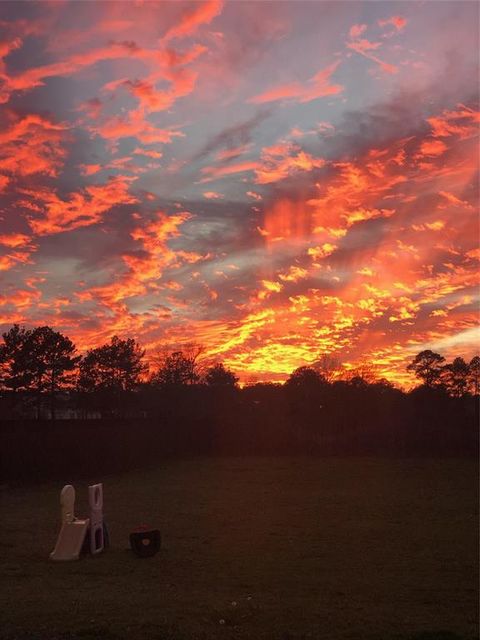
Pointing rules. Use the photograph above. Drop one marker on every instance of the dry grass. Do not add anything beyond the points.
(305, 548)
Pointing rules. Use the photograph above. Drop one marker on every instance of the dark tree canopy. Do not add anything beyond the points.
(474, 375)
(41, 360)
(456, 377)
(427, 367)
(176, 370)
(363, 374)
(39, 365)
(328, 366)
(116, 365)
(15, 370)
(306, 379)
(53, 362)
(53, 358)
(219, 376)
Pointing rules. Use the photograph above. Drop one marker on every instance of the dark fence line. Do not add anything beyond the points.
(266, 424)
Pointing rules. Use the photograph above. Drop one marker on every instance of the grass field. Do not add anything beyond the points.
(283, 548)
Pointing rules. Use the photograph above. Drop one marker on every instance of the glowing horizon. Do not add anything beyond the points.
(275, 181)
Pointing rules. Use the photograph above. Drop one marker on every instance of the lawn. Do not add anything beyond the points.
(283, 548)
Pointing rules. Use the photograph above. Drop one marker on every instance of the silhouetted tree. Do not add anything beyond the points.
(383, 385)
(455, 377)
(474, 375)
(52, 363)
(177, 369)
(15, 370)
(219, 376)
(363, 374)
(112, 370)
(305, 390)
(328, 366)
(427, 367)
(306, 377)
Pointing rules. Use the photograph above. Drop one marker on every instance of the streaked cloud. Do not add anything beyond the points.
(318, 86)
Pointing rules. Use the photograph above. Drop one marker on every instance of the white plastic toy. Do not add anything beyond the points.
(74, 530)
(95, 500)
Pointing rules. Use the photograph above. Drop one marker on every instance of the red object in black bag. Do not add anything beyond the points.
(145, 542)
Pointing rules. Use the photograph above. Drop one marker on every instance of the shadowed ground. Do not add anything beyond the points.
(255, 548)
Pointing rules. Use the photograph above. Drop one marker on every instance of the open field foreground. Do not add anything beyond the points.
(283, 548)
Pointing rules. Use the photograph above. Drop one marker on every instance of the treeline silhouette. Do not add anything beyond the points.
(64, 415)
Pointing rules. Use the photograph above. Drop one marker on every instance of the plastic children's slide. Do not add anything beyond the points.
(73, 531)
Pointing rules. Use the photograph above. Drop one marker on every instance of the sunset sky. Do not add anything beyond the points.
(272, 180)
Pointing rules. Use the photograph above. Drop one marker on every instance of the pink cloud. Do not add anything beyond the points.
(397, 21)
(317, 87)
(363, 46)
(356, 30)
(212, 195)
(202, 13)
(147, 152)
(214, 173)
(35, 76)
(135, 126)
(90, 169)
(226, 154)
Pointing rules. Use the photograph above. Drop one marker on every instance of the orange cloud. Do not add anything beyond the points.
(215, 173)
(147, 152)
(462, 123)
(317, 87)
(356, 30)
(22, 249)
(452, 199)
(152, 100)
(135, 126)
(14, 240)
(397, 21)
(147, 268)
(82, 209)
(359, 215)
(14, 259)
(226, 154)
(202, 13)
(90, 169)
(294, 274)
(432, 148)
(321, 252)
(32, 145)
(362, 47)
(287, 219)
(212, 195)
(282, 160)
(35, 76)
(21, 298)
